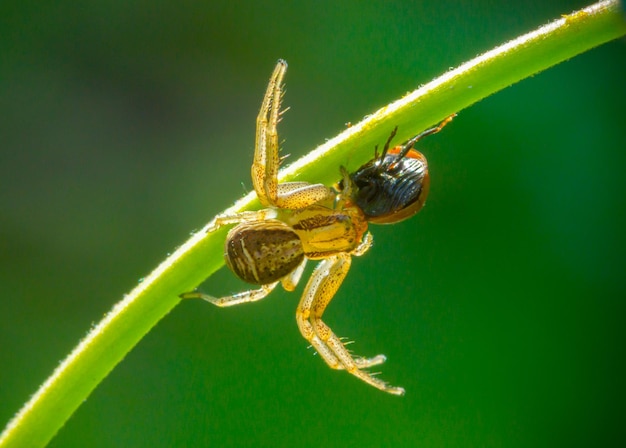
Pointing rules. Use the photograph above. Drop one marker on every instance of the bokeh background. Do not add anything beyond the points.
(125, 125)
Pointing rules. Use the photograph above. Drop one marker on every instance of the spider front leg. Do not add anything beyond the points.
(289, 195)
(266, 160)
(319, 291)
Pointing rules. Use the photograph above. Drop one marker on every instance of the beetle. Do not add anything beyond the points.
(303, 221)
(394, 185)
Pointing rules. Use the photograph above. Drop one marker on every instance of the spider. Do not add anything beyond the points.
(303, 221)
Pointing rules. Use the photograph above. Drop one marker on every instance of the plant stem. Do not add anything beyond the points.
(124, 326)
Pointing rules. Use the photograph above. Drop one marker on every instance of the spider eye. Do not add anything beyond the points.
(391, 190)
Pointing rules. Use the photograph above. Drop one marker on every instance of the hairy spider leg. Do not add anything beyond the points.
(287, 195)
(319, 291)
(266, 160)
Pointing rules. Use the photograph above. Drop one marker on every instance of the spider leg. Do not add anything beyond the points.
(290, 281)
(368, 241)
(266, 160)
(290, 195)
(319, 291)
(247, 216)
(242, 297)
(299, 195)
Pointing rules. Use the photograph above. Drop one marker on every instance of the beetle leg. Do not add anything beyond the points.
(319, 291)
(266, 160)
(411, 143)
(242, 297)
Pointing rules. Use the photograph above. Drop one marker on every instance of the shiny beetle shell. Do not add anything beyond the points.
(390, 189)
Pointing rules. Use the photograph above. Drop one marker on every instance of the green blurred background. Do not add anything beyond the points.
(126, 125)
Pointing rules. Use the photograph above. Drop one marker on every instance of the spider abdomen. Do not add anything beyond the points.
(263, 252)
